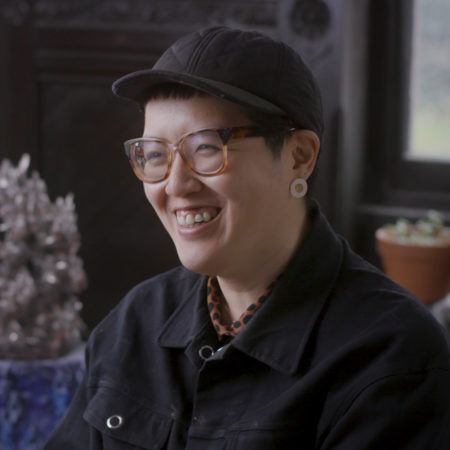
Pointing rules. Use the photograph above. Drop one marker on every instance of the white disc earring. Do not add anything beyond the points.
(295, 191)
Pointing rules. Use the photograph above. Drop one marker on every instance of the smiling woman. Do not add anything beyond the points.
(272, 334)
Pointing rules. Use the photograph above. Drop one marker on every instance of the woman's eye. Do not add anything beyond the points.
(154, 155)
(205, 148)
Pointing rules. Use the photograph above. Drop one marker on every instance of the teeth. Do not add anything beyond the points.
(192, 219)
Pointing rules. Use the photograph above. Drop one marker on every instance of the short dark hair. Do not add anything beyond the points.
(274, 139)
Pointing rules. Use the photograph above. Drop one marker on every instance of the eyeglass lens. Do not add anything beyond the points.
(202, 151)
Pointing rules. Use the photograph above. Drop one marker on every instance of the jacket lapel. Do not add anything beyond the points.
(279, 333)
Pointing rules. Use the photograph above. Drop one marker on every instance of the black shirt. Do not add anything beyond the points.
(339, 358)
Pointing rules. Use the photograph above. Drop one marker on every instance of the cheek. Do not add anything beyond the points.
(252, 195)
(149, 193)
(156, 198)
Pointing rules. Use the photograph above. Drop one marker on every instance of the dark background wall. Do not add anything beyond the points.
(58, 59)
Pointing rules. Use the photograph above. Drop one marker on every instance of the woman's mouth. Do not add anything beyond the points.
(190, 218)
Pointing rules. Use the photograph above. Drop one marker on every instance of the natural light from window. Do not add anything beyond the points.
(430, 87)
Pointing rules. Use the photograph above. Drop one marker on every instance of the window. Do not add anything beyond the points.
(429, 131)
(408, 136)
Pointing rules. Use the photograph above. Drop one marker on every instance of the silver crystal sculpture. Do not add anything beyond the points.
(41, 274)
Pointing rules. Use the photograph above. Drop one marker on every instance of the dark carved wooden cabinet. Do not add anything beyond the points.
(58, 60)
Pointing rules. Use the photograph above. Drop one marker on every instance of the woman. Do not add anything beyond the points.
(273, 334)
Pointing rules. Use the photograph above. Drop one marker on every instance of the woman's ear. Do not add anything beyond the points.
(305, 150)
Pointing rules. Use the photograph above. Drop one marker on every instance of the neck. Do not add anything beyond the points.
(245, 286)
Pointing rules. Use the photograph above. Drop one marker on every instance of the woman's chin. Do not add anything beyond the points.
(198, 260)
(201, 256)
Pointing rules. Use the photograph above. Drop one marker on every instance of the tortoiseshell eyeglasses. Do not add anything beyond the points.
(205, 152)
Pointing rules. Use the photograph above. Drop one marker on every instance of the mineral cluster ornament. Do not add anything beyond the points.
(40, 272)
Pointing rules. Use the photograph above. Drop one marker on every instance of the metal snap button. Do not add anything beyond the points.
(205, 352)
(114, 422)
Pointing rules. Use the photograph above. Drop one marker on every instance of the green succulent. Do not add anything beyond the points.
(424, 231)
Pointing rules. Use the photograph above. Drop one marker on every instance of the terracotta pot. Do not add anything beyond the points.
(422, 269)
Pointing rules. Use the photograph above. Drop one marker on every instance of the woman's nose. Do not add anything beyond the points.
(181, 181)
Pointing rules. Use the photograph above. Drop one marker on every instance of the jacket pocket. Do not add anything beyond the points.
(125, 423)
(273, 438)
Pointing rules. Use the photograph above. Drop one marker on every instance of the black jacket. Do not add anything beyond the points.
(339, 357)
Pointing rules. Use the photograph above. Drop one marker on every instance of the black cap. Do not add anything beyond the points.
(245, 67)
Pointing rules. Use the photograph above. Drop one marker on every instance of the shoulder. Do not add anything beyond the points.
(371, 316)
(378, 343)
(141, 314)
(165, 291)
(162, 292)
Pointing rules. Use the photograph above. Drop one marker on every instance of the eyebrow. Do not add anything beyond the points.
(145, 136)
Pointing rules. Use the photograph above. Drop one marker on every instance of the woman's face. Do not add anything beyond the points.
(246, 211)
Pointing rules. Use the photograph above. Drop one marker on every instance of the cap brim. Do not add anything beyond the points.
(136, 86)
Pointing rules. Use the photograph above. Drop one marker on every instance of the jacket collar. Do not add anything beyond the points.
(188, 320)
(279, 333)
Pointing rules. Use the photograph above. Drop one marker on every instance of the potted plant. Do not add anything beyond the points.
(417, 255)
